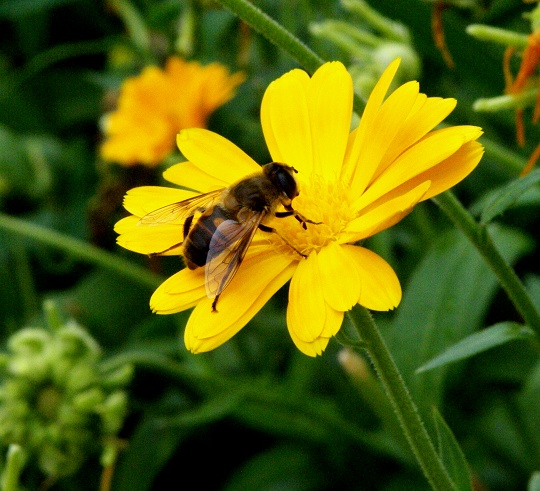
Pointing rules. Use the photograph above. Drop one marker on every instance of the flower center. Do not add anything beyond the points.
(321, 201)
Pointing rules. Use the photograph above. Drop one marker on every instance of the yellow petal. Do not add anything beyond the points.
(340, 283)
(380, 286)
(149, 239)
(306, 310)
(384, 127)
(215, 155)
(361, 139)
(387, 213)
(313, 348)
(330, 109)
(427, 153)
(181, 291)
(190, 176)
(257, 280)
(421, 120)
(144, 199)
(126, 224)
(311, 321)
(285, 121)
(453, 169)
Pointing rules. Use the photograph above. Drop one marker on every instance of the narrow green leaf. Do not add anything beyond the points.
(285, 467)
(506, 196)
(534, 482)
(214, 409)
(451, 454)
(478, 342)
(438, 311)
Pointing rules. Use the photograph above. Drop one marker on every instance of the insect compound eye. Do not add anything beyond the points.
(281, 176)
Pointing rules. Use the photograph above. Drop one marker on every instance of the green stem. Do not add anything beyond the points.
(506, 101)
(339, 33)
(279, 36)
(503, 156)
(387, 28)
(80, 249)
(497, 35)
(401, 400)
(15, 460)
(135, 26)
(481, 240)
(274, 32)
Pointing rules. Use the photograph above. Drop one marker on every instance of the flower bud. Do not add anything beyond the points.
(54, 400)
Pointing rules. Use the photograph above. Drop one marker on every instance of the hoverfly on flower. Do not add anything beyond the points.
(218, 226)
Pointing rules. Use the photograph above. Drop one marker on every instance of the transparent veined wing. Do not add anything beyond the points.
(228, 247)
(177, 212)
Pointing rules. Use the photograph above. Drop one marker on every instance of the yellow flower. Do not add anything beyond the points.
(154, 106)
(356, 183)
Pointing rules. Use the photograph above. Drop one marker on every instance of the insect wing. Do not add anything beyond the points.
(228, 247)
(176, 212)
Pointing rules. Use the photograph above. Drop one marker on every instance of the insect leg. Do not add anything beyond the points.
(291, 212)
(214, 303)
(271, 230)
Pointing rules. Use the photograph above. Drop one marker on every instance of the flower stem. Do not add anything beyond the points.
(389, 29)
(506, 101)
(401, 400)
(481, 240)
(274, 32)
(80, 249)
(497, 35)
(279, 36)
(15, 460)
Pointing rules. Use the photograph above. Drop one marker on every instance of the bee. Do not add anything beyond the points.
(218, 226)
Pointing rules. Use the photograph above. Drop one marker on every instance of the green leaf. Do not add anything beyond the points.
(478, 342)
(528, 402)
(505, 197)
(150, 447)
(284, 467)
(451, 454)
(446, 299)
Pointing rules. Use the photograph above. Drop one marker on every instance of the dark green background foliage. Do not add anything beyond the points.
(256, 413)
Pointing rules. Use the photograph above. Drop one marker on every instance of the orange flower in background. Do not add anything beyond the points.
(437, 30)
(155, 105)
(528, 67)
(352, 185)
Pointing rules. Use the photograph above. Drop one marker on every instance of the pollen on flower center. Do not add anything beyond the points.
(322, 201)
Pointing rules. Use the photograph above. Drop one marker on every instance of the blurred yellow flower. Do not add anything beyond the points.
(355, 183)
(154, 106)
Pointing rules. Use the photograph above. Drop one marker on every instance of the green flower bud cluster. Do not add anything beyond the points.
(56, 402)
(371, 42)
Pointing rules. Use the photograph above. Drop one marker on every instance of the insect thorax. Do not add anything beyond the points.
(256, 193)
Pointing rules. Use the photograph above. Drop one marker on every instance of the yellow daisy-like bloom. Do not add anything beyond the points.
(154, 106)
(355, 183)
